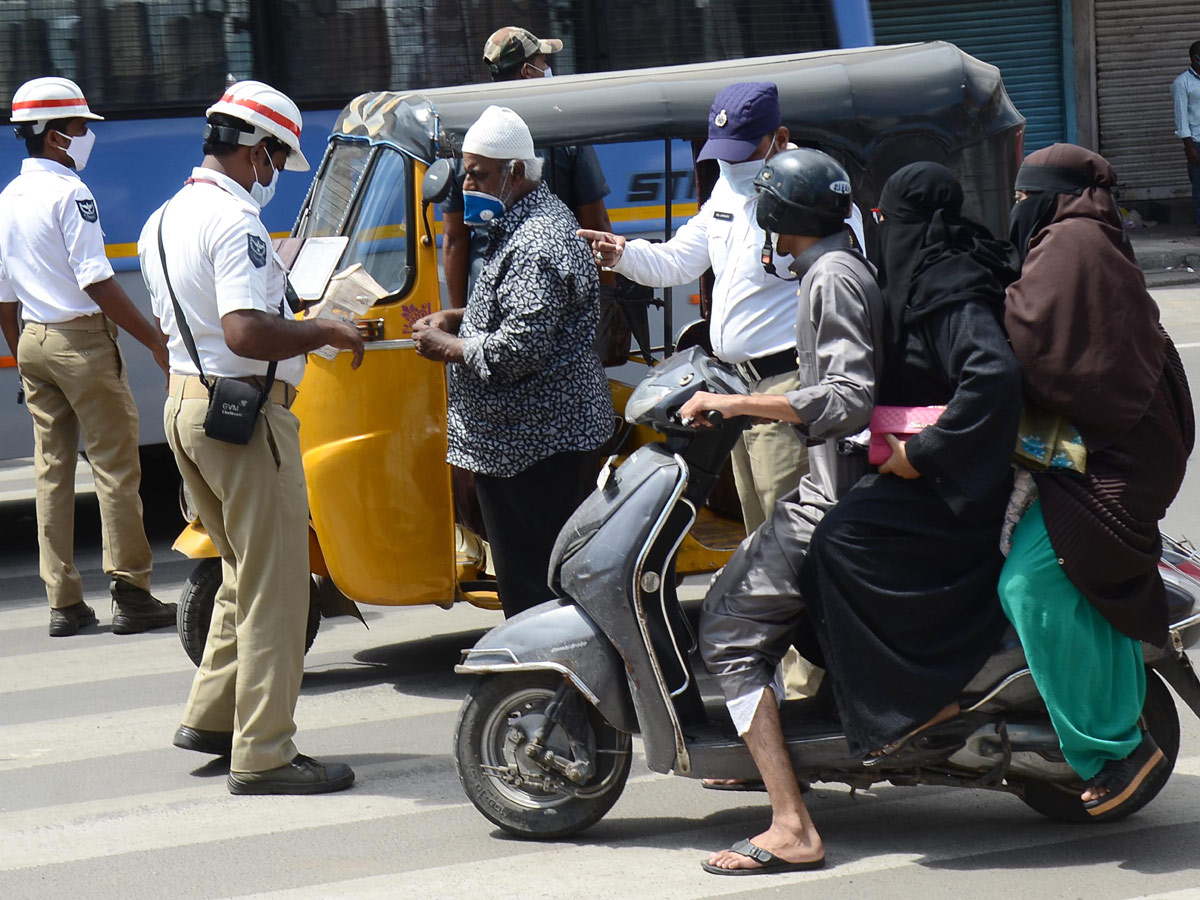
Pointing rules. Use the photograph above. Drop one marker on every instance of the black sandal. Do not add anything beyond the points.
(1125, 779)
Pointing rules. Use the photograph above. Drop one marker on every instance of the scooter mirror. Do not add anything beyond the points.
(435, 187)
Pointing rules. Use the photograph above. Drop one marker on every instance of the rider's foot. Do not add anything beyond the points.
(792, 844)
(946, 713)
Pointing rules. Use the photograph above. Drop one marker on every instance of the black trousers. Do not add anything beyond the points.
(523, 514)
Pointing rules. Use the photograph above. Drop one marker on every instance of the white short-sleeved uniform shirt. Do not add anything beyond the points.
(51, 243)
(220, 259)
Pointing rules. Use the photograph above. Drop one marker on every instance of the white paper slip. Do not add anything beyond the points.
(350, 294)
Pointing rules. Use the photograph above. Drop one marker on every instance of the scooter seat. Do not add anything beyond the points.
(1008, 659)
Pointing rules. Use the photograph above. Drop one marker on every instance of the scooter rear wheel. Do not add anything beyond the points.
(194, 613)
(497, 717)
(1161, 719)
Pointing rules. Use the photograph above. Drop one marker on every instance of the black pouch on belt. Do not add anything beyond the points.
(233, 408)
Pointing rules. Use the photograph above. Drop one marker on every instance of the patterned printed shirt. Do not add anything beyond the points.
(531, 385)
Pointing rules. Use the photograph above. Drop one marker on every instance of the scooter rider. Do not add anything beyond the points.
(753, 608)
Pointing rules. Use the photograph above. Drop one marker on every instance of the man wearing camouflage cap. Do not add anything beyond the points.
(573, 174)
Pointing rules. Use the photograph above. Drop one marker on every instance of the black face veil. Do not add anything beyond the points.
(1043, 184)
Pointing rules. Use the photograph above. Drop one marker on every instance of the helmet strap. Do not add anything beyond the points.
(768, 259)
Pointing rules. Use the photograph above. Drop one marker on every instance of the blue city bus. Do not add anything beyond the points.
(152, 67)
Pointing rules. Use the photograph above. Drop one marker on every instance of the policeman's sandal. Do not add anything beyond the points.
(68, 620)
(135, 610)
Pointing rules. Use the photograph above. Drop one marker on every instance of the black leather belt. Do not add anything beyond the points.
(768, 366)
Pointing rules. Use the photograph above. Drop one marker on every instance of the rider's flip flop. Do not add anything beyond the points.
(769, 863)
(1125, 779)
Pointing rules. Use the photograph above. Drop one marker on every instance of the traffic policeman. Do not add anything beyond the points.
(217, 284)
(52, 264)
(753, 318)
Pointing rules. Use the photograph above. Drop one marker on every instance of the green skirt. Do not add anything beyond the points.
(1091, 676)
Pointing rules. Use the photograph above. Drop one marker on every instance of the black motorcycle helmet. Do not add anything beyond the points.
(804, 192)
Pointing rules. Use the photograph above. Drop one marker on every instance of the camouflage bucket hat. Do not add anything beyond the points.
(509, 47)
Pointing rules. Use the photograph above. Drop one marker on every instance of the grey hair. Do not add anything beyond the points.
(533, 167)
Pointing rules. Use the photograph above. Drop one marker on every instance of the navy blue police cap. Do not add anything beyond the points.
(741, 115)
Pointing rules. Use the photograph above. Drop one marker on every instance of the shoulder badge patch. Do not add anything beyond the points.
(257, 250)
(87, 210)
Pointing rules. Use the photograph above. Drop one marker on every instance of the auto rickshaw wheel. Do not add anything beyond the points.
(1161, 719)
(194, 613)
(499, 716)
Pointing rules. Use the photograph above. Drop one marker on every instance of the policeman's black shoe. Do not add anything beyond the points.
(68, 620)
(302, 775)
(215, 743)
(135, 610)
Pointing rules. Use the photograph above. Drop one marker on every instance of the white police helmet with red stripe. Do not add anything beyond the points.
(44, 99)
(271, 112)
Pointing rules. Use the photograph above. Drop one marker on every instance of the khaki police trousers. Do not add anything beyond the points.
(253, 503)
(768, 461)
(74, 379)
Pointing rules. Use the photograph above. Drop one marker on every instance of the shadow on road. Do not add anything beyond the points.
(422, 667)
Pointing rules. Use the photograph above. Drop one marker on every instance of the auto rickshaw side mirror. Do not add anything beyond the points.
(435, 186)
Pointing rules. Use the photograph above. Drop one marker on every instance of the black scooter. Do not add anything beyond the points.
(543, 741)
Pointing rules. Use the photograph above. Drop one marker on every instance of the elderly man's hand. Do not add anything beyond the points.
(437, 345)
(443, 320)
(606, 247)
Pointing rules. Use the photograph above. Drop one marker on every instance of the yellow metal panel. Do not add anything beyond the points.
(374, 444)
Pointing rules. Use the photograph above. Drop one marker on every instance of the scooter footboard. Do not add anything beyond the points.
(558, 636)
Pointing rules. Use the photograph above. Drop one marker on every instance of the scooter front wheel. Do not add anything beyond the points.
(511, 776)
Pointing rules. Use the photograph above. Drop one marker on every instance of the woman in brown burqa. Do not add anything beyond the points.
(1081, 583)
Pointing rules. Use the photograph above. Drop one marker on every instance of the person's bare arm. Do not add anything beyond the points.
(115, 303)
(774, 407)
(10, 325)
(1191, 152)
(255, 334)
(456, 257)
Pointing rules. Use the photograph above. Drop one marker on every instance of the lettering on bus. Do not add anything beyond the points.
(647, 187)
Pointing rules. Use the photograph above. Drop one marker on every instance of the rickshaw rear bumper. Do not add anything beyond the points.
(557, 636)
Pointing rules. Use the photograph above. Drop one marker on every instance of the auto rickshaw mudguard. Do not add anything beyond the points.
(194, 543)
(558, 636)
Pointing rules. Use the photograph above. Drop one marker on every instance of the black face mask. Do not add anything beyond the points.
(1028, 217)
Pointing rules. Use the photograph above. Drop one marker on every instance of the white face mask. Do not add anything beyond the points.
(80, 148)
(262, 193)
(740, 176)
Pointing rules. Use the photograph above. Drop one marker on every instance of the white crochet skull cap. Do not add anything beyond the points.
(499, 133)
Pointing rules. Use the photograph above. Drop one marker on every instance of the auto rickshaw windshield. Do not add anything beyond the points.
(363, 193)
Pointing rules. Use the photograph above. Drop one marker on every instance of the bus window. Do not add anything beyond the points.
(378, 233)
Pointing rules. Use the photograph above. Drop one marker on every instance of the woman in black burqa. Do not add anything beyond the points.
(901, 575)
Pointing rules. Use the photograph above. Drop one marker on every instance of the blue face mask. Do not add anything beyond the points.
(480, 209)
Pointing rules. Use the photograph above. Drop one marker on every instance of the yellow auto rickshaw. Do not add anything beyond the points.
(383, 528)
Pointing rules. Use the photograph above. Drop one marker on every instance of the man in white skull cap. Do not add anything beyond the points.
(54, 275)
(528, 398)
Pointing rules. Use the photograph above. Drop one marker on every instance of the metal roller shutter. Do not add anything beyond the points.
(1141, 46)
(1023, 38)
